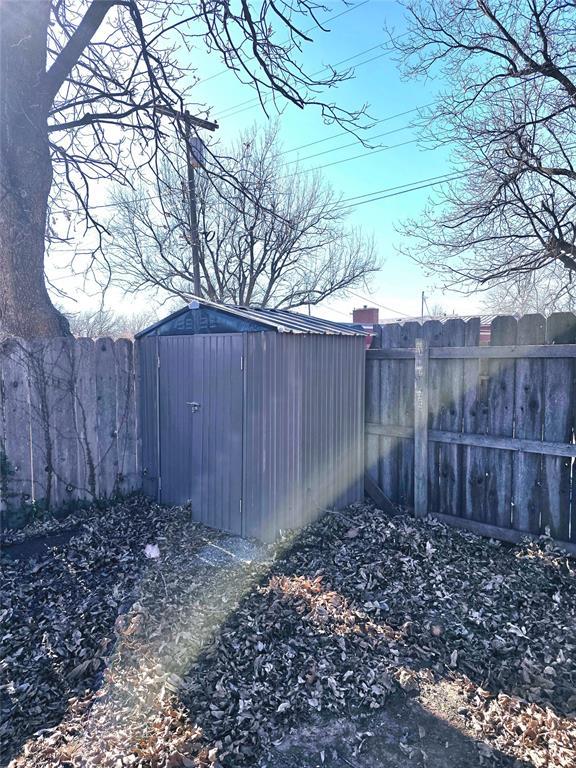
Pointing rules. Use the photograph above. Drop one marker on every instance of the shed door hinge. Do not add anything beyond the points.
(159, 483)
(240, 506)
(158, 361)
(241, 362)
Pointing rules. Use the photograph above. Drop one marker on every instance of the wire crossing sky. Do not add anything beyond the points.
(389, 178)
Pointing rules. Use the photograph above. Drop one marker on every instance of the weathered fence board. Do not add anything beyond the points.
(16, 474)
(62, 437)
(405, 384)
(126, 415)
(32, 362)
(148, 413)
(500, 426)
(68, 423)
(386, 400)
(559, 386)
(421, 410)
(513, 444)
(85, 416)
(497, 507)
(433, 335)
(106, 424)
(472, 415)
(481, 353)
(448, 462)
(528, 418)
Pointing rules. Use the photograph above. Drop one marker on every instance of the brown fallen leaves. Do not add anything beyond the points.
(207, 666)
(528, 731)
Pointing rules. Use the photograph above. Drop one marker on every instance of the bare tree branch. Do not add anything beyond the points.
(509, 116)
(269, 240)
(80, 88)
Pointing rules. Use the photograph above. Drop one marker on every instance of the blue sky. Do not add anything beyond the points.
(378, 83)
(348, 167)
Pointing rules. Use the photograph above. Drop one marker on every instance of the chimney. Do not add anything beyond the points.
(365, 315)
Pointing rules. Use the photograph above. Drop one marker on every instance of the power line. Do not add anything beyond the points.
(354, 157)
(311, 29)
(352, 144)
(380, 306)
(326, 165)
(254, 102)
(338, 311)
(318, 72)
(386, 119)
(440, 177)
(347, 133)
(378, 122)
(250, 104)
(402, 192)
(382, 193)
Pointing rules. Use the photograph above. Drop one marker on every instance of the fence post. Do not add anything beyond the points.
(421, 428)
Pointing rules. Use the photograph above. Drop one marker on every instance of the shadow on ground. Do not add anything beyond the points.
(361, 641)
(404, 733)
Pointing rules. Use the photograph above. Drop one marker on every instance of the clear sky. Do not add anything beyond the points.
(358, 36)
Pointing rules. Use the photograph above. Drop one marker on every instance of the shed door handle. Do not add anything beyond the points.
(195, 406)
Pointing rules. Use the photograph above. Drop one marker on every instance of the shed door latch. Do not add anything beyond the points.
(194, 406)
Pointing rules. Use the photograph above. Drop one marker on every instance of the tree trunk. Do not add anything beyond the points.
(25, 172)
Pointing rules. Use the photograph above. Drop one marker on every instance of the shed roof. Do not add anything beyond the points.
(280, 320)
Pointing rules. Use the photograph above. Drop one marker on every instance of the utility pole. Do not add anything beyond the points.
(422, 306)
(192, 162)
(195, 234)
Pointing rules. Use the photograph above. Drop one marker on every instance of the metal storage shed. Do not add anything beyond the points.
(254, 417)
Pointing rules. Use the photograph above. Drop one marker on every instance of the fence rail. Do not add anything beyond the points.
(67, 423)
(482, 437)
(481, 441)
(511, 351)
(478, 436)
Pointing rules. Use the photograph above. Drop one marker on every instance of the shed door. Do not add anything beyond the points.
(201, 396)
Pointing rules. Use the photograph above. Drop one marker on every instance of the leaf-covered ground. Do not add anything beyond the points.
(147, 640)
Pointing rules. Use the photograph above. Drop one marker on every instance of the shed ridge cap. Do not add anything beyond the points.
(279, 320)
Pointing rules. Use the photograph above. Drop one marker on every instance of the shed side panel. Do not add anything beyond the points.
(333, 470)
(272, 434)
(303, 428)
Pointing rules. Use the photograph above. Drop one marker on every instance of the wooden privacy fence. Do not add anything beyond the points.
(67, 423)
(481, 437)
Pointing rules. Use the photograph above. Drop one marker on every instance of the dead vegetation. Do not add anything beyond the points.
(200, 655)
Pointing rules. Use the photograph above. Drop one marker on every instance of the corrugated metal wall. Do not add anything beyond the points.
(285, 435)
(201, 446)
(303, 428)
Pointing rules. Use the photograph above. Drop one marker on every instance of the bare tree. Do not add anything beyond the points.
(93, 324)
(438, 310)
(544, 292)
(130, 324)
(509, 113)
(278, 239)
(82, 88)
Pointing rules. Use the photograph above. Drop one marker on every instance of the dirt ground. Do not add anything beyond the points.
(423, 731)
(135, 637)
